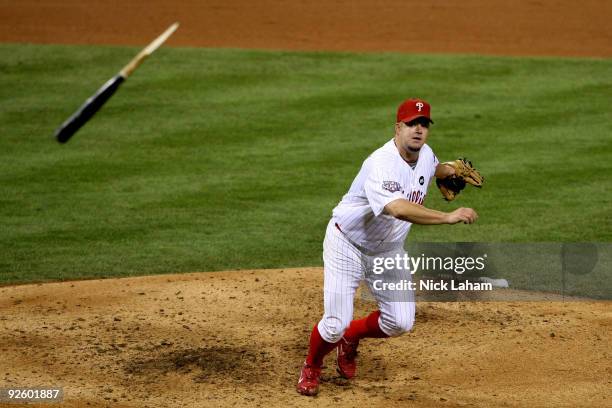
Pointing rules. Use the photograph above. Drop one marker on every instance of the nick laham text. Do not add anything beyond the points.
(432, 285)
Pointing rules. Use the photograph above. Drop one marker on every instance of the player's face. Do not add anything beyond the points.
(412, 135)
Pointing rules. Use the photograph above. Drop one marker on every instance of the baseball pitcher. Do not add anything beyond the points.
(372, 221)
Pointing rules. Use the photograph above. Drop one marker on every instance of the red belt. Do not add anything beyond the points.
(359, 247)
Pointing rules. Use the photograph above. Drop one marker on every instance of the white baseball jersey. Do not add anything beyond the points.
(384, 177)
(358, 227)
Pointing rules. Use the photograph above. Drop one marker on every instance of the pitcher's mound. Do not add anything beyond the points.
(239, 339)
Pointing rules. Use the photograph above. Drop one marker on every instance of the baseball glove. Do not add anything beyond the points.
(464, 173)
(450, 187)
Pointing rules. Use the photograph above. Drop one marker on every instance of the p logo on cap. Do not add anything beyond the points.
(412, 109)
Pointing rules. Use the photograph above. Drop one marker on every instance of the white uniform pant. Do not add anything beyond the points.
(345, 267)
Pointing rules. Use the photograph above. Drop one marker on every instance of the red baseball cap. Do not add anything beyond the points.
(412, 109)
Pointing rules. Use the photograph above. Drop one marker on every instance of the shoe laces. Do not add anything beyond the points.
(311, 372)
(350, 350)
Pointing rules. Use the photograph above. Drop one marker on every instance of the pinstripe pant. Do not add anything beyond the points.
(345, 267)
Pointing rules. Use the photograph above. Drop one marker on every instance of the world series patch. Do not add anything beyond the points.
(391, 186)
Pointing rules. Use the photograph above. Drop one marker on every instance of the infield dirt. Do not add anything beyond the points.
(519, 27)
(239, 338)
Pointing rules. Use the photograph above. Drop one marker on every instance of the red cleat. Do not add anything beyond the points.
(308, 384)
(346, 358)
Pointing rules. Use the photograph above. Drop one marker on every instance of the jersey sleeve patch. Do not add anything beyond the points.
(391, 186)
(381, 186)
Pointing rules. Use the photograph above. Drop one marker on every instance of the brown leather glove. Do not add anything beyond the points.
(464, 173)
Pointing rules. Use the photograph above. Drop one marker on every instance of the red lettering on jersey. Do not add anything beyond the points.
(417, 197)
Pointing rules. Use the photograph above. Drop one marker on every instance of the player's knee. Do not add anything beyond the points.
(396, 325)
(332, 328)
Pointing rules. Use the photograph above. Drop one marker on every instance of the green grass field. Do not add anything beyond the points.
(220, 159)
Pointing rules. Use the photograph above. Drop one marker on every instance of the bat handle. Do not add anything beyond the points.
(148, 50)
(133, 64)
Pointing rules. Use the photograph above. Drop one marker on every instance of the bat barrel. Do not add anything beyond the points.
(88, 109)
(93, 104)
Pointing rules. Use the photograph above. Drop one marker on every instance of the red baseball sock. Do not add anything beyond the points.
(362, 328)
(318, 348)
